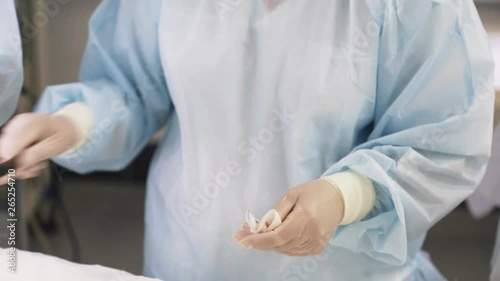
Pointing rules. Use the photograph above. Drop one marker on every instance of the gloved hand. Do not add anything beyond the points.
(30, 139)
(311, 212)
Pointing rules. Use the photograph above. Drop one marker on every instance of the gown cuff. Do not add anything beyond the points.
(81, 117)
(357, 192)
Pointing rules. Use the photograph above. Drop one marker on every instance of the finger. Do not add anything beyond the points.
(245, 227)
(19, 134)
(285, 206)
(291, 228)
(28, 175)
(243, 232)
(239, 236)
(304, 243)
(39, 152)
(4, 180)
(23, 175)
(38, 167)
(32, 172)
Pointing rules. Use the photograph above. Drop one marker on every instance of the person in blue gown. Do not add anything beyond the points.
(361, 123)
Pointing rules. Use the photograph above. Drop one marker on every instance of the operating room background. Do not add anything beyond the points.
(105, 210)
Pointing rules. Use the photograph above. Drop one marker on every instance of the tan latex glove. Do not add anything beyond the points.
(311, 213)
(30, 139)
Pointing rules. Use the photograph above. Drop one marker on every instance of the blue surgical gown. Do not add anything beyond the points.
(260, 99)
(11, 71)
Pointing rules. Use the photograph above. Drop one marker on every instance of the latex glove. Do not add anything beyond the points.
(30, 139)
(311, 211)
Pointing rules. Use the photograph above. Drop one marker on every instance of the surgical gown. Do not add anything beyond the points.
(261, 97)
(11, 71)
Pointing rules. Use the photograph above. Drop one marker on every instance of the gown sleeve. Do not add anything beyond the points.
(432, 128)
(121, 82)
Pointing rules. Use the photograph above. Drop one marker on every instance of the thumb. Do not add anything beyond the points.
(285, 206)
(40, 151)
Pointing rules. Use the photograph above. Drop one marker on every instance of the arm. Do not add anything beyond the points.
(427, 150)
(432, 126)
(122, 90)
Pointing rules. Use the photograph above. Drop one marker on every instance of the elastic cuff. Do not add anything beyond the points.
(357, 192)
(81, 117)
